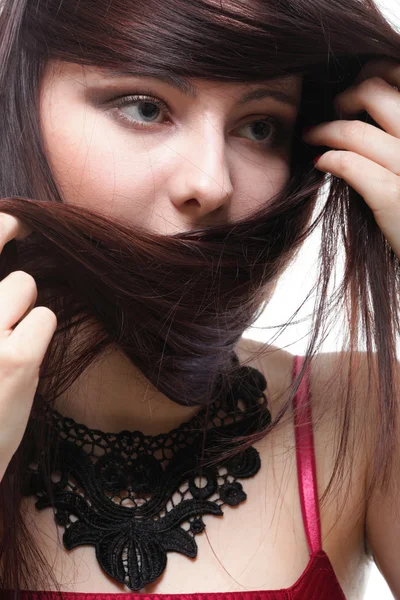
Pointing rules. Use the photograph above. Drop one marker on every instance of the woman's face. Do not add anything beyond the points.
(197, 161)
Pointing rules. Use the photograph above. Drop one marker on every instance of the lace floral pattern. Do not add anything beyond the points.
(136, 497)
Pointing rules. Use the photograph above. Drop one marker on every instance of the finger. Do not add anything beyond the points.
(30, 339)
(378, 98)
(387, 68)
(10, 228)
(379, 187)
(18, 293)
(362, 138)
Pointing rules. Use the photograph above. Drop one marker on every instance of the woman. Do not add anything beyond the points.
(156, 182)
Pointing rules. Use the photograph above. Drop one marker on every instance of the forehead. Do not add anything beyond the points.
(190, 86)
(286, 88)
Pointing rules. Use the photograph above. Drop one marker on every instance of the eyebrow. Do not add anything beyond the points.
(188, 89)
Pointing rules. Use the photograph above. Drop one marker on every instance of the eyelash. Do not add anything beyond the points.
(281, 135)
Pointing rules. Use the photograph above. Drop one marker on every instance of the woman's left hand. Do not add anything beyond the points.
(368, 158)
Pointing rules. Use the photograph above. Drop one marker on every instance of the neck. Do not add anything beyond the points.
(112, 395)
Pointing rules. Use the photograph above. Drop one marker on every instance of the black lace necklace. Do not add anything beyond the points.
(135, 497)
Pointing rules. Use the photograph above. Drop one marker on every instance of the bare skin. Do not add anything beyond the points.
(196, 170)
(199, 165)
(270, 531)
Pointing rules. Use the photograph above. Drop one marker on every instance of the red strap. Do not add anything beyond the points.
(306, 470)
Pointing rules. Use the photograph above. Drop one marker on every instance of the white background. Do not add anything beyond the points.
(291, 291)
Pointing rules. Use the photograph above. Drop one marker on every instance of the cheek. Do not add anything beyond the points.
(257, 181)
(96, 166)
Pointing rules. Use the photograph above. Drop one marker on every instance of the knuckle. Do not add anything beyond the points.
(344, 160)
(23, 275)
(6, 219)
(9, 224)
(352, 129)
(29, 284)
(394, 190)
(48, 314)
(373, 84)
(4, 224)
(25, 279)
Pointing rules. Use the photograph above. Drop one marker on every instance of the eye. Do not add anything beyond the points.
(262, 127)
(147, 110)
(144, 109)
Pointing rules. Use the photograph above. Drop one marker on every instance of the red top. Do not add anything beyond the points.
(318, 579)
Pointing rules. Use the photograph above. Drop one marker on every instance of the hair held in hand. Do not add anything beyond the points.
(176, 305)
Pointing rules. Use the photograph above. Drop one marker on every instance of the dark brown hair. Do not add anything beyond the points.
(210, 283)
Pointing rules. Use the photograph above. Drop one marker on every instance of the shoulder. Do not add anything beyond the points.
(330, 374)
(329, 378)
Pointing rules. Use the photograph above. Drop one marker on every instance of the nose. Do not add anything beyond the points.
(202, 180)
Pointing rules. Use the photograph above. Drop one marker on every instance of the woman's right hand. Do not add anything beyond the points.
(25, 334)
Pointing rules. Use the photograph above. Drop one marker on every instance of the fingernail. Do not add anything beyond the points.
(316, 159)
